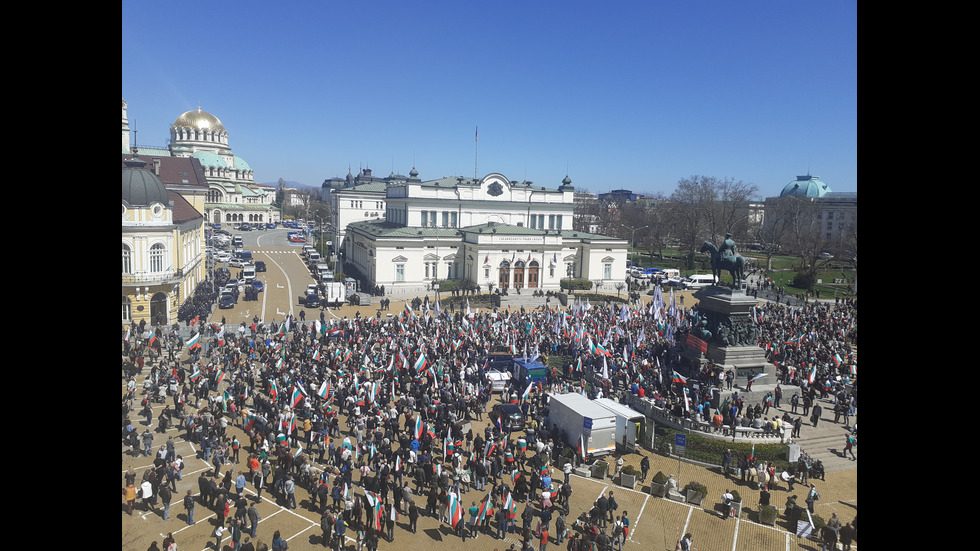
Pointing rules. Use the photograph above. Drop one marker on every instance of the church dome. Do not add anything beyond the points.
(805, 187)
(141, 187)
(199, 120)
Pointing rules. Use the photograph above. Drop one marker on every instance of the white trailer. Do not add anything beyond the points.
(629, 423)
(581, 419)
(335, 293)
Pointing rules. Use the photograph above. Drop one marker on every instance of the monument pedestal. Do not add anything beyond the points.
(728, 335)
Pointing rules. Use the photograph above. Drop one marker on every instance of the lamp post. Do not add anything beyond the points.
(632, 235)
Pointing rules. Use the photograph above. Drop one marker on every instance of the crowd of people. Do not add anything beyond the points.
(379, 405)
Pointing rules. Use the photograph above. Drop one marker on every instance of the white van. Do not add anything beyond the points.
(698, 281)
(314, 258)
(248, 272)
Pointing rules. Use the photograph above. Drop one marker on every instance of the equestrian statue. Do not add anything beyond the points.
(725, 258)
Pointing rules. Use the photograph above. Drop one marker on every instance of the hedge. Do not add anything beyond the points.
(709, 450)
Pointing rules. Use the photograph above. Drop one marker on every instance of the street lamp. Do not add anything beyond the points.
(632, 235)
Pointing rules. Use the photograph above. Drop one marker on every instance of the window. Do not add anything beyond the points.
(486, 273)
(425, 218)
(534, 221)
(127, 260)
(399, 272)
(426, 270)
(551, 221)
(432, 218)
(607, 271)
(559, 223)
(551, 272)
(127, 309)
(445, 218)
(157, 253)
(453, 219)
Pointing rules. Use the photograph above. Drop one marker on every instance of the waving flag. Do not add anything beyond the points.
(484, 506)
(194, 342)
(324, 389)
(678, 378)
(273, 390)
(418, 427)
(298, 395)
(420, 363)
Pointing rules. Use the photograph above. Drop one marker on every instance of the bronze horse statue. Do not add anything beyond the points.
(735, 265)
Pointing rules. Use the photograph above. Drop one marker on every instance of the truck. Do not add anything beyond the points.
(323, 272)
(525, 371)
(630, 424)
(578, 419)
(335, 293)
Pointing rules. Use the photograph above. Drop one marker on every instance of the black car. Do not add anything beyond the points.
(312, 300)
(227, 300)
(259, 266)
(511, 418)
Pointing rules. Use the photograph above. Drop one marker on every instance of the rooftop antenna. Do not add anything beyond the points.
(476, 152)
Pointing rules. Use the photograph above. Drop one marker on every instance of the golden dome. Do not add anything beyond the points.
(199, 120)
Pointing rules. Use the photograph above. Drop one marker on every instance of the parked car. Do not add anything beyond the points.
(498, 380)
(511, 418)
(270, 226)
(259, 266)
(226, 301)
(245, 226)
(257, 285)
(312, 300)
(297, 239)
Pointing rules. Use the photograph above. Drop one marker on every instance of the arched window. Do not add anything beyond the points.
(127, 259)
(157, 254)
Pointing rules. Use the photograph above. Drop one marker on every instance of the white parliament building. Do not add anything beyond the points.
(405, 233)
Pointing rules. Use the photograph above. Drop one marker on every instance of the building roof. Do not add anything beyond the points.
(199, 120)
(805, 186)
(380, 228)
(183, 211)
(141, 187)
(173, 171)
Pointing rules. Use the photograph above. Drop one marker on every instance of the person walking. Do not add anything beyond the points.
(279, 544)
(413, 517)
(340, 532)
(219, 532)
(289, 488)
(236, 535)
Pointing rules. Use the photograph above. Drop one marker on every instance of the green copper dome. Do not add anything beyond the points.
(805, 187)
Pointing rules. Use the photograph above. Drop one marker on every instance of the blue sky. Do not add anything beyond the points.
(633, 95)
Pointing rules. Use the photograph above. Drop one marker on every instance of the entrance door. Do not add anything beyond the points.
(503, 280)
(158, 309)
(532, 274)
(519, 274)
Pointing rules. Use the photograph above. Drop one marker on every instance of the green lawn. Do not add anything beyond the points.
(783, 269)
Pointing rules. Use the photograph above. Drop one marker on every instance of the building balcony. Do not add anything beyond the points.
(166, 277)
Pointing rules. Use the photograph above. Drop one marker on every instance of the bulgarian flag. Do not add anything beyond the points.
(281, 438)
(195, 341)
(687, 402)
(527, 391)
(757, 377)
(420, 363)
(273, 390)
(298, 394)
(813, 375)
(418, 427)
(347, 492)
(196, 375)
(299, 451)
(398, 463)
(678, 378)
(455, 510)
(221, 376)
(601, 350)
(194, 321)
(484, 506)
(324, 389)
(581, 445)
(837, 360)
(509, 506)
(316, 353)
(152, 340)
(854, 370)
